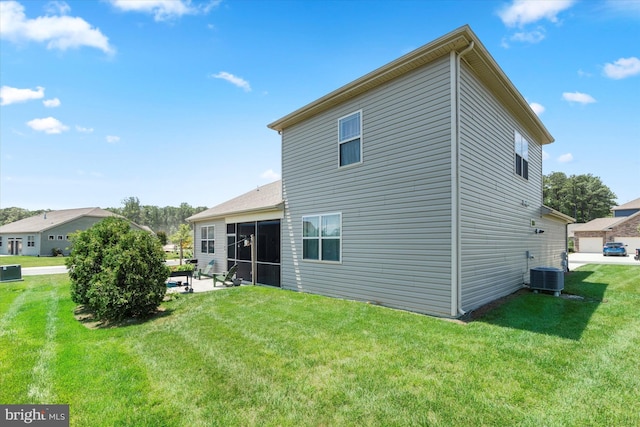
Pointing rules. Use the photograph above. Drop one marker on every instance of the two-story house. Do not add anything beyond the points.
(418, 185)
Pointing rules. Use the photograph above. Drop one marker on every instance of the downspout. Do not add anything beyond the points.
(456, 240)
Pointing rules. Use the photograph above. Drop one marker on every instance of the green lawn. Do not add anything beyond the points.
(32, 261)
(259, 356)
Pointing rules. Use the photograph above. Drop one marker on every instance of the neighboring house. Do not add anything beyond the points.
(623, 227)
(220, 234)
(627, 209)
(40, 234)
(417, 186)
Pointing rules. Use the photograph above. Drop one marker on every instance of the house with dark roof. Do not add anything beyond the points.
(221, 231)
(39, 235)
(417, 186)
(622, 227)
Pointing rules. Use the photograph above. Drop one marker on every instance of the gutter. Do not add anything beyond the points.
(456, 240)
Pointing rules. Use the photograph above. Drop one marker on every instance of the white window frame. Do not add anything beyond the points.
(521, 156)
(31, 241)
(52, 237)
(207, 234)
(320, 238)
(351, 138)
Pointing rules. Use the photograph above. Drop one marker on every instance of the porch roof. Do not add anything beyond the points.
(264, 198)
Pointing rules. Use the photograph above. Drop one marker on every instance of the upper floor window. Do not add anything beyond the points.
(350, 138)
(521, 146)
(322, 237)
(207, 240)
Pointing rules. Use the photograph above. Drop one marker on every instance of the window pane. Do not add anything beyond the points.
(525, 169)
(211, 246)
(310, 248)
(203, 246)
(518, 165)
(203, 233)
(310, 226)
(331, 249)
(525, 149)
(231, 229)
(350, 127)
(331, 225)
(350, 152)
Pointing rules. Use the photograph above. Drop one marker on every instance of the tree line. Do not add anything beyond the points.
(583, 197)
(160, 219)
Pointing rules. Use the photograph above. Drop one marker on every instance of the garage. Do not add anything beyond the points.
(590, 244)
(632, 243)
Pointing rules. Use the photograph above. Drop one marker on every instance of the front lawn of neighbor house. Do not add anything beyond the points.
(261, 356)
(32, 261)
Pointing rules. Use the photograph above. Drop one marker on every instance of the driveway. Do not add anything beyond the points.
(578, 259)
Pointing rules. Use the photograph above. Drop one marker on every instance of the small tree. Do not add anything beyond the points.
(117, 272)
(183, 239)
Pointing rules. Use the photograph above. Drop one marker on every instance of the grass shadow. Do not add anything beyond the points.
(566, 316)
(87, 318)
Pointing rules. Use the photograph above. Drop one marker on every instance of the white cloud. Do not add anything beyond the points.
(112, 139)
(12, 95)
(57, 8)
(565, 158)
(622, 68)
(535, 36)
(522, 12)
(59, 32)
(237, 81)
(48, 125)
(537, 108)
(545, 155)
(164, 10)
(51, 103)
(270, 175)
(580, 98)
(83, 129)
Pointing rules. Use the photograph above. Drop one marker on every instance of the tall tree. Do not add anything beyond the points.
(583, 197)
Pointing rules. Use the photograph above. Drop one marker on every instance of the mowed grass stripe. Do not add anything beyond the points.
(40, 387)
(23, 337)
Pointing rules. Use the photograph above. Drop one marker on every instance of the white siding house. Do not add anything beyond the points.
(220, 232)
(418, 186)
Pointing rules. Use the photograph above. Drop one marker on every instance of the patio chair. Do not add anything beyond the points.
(208, 270)
(226, 278)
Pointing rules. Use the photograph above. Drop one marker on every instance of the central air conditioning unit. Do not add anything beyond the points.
(547, 279)
(10, 273)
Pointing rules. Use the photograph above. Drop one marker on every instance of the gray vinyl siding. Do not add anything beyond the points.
(496, 204)
(79, 224)
(220, 245)
(395, 205)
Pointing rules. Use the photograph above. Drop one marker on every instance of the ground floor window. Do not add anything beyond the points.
(31, 241)
(207, 239)
(322, 237)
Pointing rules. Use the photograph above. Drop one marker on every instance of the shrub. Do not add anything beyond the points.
(117, 272)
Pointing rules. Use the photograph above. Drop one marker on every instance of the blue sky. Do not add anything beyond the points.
(168, 101)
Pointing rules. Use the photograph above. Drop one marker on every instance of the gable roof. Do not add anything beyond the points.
(47, 220)
(604, 224)
(478, 58)
(634, 204)
(266, 197)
